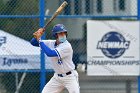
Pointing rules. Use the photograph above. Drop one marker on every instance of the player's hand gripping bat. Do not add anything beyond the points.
(57, 12)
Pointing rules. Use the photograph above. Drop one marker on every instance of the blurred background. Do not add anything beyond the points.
(22, 66)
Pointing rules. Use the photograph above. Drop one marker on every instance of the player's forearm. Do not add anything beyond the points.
(47, 50)
(34, 42)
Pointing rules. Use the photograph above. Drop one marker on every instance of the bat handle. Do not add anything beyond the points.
(45, 27)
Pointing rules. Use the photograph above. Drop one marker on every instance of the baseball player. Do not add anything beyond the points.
(61, 53)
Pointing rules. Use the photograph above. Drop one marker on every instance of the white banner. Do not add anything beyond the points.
(19, 62)
(113, 48)
(18, 54)
(22, 62)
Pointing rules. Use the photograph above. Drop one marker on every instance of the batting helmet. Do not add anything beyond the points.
(58, 29)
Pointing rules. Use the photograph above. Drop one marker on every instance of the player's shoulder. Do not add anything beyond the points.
(66, 44)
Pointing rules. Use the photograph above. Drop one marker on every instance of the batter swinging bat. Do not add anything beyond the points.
(57, 12)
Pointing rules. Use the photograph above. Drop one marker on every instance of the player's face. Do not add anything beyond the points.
(61, 37)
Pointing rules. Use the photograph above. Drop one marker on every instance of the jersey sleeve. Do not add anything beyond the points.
(47, 50)
(63, 50)
(34, 42)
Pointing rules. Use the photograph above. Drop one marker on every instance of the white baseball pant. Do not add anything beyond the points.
(57, 83)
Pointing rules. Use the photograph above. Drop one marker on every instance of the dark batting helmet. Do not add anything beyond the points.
(58, 29)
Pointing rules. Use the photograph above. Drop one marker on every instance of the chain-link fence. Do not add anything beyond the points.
(20, 70)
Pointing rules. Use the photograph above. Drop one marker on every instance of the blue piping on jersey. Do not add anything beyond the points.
(47, 50)
(59, 57)
(58, 54)
(34, 42)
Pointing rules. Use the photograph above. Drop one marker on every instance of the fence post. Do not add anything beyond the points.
(138, 13)
(42, 58)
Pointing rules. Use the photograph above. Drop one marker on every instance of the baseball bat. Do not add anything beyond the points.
(57, 12)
